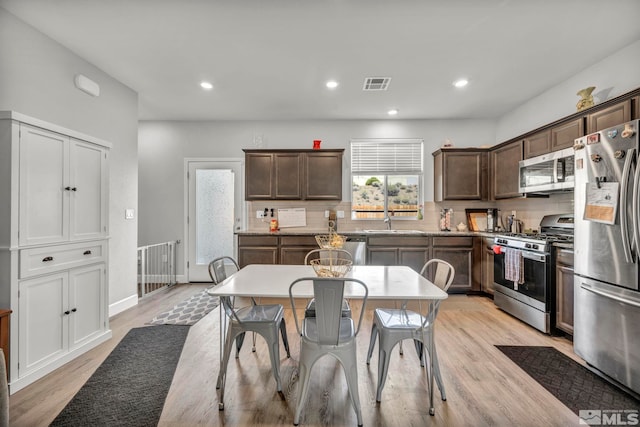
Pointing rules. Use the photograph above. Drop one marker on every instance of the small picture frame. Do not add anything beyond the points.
(476, 219)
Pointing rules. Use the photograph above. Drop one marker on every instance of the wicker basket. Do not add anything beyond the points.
(330, 241)
(331, 267)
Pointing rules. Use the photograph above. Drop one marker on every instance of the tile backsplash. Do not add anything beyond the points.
(529, 210)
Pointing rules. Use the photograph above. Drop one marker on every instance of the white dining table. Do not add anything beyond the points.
(383, 282)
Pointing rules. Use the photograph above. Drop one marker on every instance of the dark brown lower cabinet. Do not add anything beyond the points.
(564, 290)
(459, 252)
(293, 249)
(259, 249)
(412, 251)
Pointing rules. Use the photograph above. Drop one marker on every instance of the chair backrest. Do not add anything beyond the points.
(218, 273)
(329, 293)
(442, 278)
(327, 254)
(218, 268)
(444, 274)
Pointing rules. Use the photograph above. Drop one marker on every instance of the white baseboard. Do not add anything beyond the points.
(40, 372)
(181, 278)
(123, 304)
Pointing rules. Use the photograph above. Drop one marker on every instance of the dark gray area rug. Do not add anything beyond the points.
(189, 311)
(574, 385)
(131, 385)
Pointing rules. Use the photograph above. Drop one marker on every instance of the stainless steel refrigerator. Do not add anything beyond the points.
(607, 243)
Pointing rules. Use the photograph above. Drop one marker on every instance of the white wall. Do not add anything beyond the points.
(613, 76)
(164, 145)
(36, 79)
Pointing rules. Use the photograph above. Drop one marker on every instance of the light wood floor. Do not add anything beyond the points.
(484, 388)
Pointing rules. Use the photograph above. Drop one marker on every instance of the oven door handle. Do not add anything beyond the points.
(533, 256)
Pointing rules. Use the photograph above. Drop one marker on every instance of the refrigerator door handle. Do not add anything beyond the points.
(627, 245)
(634, 208)
(609, 295)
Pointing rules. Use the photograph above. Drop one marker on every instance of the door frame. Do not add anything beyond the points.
(243, 203)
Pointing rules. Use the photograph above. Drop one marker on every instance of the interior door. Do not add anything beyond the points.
(215, 205)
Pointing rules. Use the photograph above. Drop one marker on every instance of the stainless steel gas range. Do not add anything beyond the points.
(524, 277)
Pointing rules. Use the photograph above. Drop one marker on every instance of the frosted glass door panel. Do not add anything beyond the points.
(214, 203)
(214, 214)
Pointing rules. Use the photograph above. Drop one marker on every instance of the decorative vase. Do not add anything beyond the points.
(586, 99)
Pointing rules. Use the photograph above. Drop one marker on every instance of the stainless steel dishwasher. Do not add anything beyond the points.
(357, 247)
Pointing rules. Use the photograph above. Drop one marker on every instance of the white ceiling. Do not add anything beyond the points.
(270, 59)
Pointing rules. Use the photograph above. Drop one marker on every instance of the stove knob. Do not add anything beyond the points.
(527, 245)
(596, 158)
(619, 154)
(536, 246)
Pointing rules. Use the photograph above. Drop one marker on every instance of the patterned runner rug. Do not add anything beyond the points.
(129, 388)
(591, 397)
(189, 311)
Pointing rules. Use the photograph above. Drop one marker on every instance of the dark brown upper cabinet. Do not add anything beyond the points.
(537, 144)
(565, 134)
(460, 174)
(556, 138)
(635, 107)
(505, 170)
(611, 116)
(323, 175)
(293, 174)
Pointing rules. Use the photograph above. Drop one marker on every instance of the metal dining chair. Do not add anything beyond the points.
(395, 325)
(267, 320)
(328, 333)
(327, 254)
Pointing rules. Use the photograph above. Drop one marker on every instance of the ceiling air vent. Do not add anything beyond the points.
(376, 83)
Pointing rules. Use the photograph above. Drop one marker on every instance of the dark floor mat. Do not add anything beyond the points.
(577, 387)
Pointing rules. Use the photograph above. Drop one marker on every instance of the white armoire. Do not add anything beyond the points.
(54, 192)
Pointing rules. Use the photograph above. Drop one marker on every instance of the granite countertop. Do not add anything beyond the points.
(313, 232)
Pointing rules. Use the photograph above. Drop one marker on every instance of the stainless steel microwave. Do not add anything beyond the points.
(548, 173)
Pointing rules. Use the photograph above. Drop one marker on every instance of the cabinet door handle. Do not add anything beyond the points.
(74, 189)
(47, 259)
(67, 312)
(67, 188)
(74, 310)
(86, 252)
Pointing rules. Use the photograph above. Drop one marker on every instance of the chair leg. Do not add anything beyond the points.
(253, 349)
(351, 373)
(274, 355)
(285, 340)
(222, 375)
(419, 348)
(372, 341)
(436, 372)
(239, 341)
(383, 368)
(303, 375)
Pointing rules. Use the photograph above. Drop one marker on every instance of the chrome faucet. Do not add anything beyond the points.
(387, 220)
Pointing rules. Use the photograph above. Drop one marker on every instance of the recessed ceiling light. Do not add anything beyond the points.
(461, 83)
(206, 85)
(332, 84)
(393, 112)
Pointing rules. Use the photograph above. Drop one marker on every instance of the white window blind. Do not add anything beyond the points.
(386, 156)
